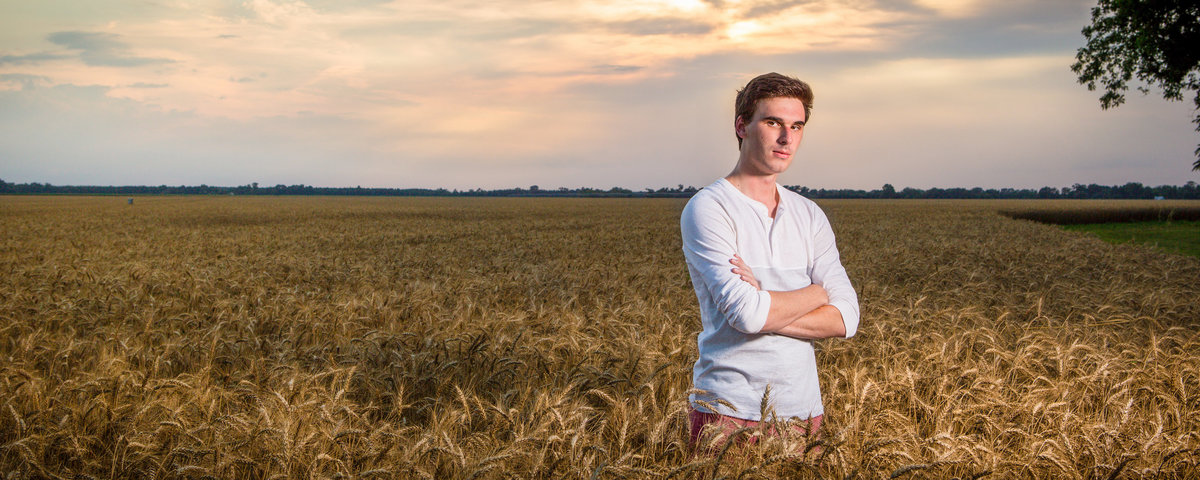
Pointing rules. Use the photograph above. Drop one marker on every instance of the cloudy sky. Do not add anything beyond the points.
(507, 93)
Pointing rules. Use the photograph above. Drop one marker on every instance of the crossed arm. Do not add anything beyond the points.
(804, 313)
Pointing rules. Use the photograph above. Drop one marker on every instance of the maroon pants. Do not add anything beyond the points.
(727, 425)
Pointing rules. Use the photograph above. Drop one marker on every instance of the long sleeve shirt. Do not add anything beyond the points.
(791, 251)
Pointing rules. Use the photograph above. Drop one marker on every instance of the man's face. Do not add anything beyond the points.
(771, 136)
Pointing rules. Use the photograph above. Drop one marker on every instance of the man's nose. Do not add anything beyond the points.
(784, 136)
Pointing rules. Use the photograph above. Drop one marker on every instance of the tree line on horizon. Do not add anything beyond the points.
(1131, 190)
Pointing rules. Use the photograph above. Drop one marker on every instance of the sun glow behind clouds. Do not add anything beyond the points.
(743, 30)
(687, 5)
(952, 8)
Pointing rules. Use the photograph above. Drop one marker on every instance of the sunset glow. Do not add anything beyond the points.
(509, 93)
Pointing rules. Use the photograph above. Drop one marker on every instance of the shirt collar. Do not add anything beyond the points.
(755, 204)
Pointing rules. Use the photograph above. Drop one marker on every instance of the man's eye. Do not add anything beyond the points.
(797, 127)
(772, 123)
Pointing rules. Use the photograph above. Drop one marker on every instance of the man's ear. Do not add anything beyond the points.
(739, 127)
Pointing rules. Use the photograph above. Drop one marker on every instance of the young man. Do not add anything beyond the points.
(786, 286)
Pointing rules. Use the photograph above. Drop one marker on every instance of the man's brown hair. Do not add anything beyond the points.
(771, 85)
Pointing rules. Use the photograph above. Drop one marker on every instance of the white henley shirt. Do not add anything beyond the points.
(791, 251)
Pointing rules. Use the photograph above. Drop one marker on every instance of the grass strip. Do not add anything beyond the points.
(1178, 236)
(1092, 215)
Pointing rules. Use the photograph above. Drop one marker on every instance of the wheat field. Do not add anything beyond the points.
(256, 338)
